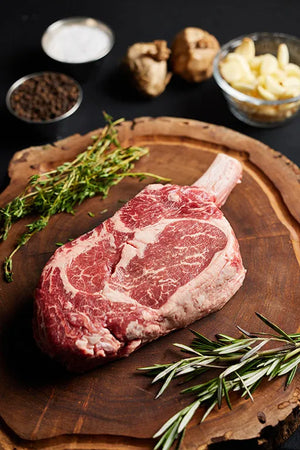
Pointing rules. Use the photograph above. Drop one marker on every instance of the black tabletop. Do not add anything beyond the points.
(22, 24)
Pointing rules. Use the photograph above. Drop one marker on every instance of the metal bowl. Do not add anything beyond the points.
(68, 113)
(252, 110)
(57, 27)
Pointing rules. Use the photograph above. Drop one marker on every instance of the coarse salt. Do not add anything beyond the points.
(78, 43)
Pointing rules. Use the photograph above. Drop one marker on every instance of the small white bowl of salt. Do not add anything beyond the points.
(77, 41)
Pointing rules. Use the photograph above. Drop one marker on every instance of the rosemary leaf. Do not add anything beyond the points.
(291, 376)
(254, 350)
(166, 371)
(163, 429)
(188, 416)
(220, 391)
(187, 349)
(209, 410)
(287, 367)
(166, 383)
(275, 327)
(231, 348)
(244, 386)
(226, 394)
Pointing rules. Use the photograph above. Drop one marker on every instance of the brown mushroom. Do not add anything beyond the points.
(193, 52)
(147, 65)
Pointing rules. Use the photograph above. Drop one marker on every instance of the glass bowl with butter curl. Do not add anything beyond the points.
(259, 75)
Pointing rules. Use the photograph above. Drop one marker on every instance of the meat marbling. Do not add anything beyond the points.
(165, 259)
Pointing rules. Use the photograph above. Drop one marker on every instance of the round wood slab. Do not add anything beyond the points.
(43, 406)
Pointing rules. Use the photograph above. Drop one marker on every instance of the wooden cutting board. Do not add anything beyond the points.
(113, 407)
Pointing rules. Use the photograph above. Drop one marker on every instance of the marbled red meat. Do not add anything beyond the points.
(165, 259)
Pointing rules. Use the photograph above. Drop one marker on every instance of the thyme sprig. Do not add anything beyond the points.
(93, 172)
(242, 365)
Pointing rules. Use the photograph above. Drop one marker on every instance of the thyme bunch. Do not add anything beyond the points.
(242, 365)
(93, 172)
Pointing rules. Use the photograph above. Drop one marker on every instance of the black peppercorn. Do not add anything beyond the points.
(44, 97)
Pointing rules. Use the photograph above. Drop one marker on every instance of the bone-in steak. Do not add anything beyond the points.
(165, 259)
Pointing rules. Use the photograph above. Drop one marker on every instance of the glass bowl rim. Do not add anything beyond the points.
(238, 95)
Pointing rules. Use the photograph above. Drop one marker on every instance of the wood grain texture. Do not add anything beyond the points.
(42, 406)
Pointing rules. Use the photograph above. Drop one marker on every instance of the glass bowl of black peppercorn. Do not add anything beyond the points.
(44, 98)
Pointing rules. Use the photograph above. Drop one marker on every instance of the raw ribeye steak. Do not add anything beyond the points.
(165, 259)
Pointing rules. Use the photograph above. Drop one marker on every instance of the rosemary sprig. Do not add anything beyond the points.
(93, 172)
(242, 365)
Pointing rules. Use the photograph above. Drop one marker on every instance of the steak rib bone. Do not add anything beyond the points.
(220, 178)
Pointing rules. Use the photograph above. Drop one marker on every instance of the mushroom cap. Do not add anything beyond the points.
(193, 52)
(147, 64)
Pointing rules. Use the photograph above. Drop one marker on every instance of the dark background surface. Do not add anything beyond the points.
(22, 24)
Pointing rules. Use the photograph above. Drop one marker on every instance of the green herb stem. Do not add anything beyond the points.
(93, 172)
(242, 366)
